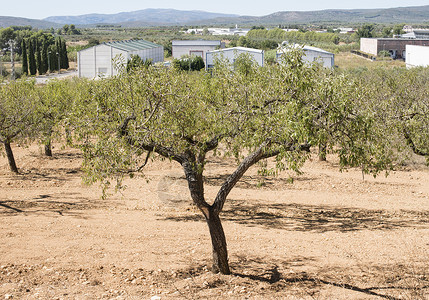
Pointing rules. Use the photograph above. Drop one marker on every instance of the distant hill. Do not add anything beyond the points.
(415, 14)
(157, 17)
(145, 17)
(6, 21)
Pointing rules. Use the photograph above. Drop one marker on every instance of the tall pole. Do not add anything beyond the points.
(12, 62)
(49, 62)
(59, 63)
(1, 65)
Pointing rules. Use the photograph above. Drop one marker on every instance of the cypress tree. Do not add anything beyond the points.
(24, 58)
(39, 58)
(58, 50)
(44, 56)
(31, 59)
(53, 58)
(65, 57)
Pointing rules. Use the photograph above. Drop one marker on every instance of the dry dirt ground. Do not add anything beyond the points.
(327, 235)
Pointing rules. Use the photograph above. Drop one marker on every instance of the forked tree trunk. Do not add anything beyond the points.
(220, 251)
(10, 157)
(217, 235)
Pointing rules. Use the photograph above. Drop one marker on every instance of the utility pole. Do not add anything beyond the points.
(1, 65)
(49, 62)
(12, 44)
(59, 63)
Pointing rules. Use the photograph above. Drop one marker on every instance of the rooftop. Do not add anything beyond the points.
(132, 45)
(238, 48)
(196, 42)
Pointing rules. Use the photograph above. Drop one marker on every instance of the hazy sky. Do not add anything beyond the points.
(44, 8)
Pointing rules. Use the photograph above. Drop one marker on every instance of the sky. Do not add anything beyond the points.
(39, 9)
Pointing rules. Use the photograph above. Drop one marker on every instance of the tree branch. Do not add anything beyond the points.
(413, 147)
(259, 154)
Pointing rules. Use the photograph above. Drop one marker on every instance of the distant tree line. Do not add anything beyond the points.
(43, 55)
(39, 51)
(69, 30)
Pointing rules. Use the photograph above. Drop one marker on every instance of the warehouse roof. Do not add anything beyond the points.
(195, 42)
(237, 48)
(132, 45)
(316, 50)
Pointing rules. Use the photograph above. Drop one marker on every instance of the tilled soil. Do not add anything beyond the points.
(320, 235)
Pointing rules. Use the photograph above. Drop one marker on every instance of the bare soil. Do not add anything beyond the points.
(321, 235)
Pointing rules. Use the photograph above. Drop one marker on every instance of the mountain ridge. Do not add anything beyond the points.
(149, 15)
(171, 17)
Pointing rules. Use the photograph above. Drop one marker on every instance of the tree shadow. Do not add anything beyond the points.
(254, 181)
(49, 204)
(316, 218)
(275, 275)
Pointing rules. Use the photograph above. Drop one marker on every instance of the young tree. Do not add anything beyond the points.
(17, 116)
(24, 58)
(256, 113)
(53, 104)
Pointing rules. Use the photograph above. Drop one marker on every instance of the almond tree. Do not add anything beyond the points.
(399, 100)
(255, 112)
(17, 116)
(53, 105)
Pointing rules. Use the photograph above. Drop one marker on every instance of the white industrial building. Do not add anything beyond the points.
(194, 47)
(231, 55)
(416, 56)
(327, 59)
(101, 60)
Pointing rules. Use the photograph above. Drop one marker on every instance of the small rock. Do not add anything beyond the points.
(8, 296)
(155, 297)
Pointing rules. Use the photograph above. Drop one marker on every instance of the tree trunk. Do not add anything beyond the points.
(322, 152)
(196, 187)
(220, 251)
(48, 149)
(10, 157)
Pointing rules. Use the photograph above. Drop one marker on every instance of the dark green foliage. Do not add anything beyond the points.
(366, 31)
(53, 59)
(39, 58)
(24, 58)
(137, 62)
(44, 51)
(69, 30)
(31, 59)
(64, 58)
(189, 63)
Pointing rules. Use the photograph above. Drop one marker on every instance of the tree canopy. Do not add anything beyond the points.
(254, 112)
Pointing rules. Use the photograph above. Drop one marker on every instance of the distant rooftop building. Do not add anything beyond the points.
(395, 46)
(194, 47)
(231, 55)
(98, 61)
(219, 31)
(311, 54)
(416, 34)
(345, 30)
(417, 56)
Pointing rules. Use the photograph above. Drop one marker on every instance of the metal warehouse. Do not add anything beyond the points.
(194, 47)
(327, 59)
(99, 61)
(395, 46)
(417, 56)
(231, 55)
